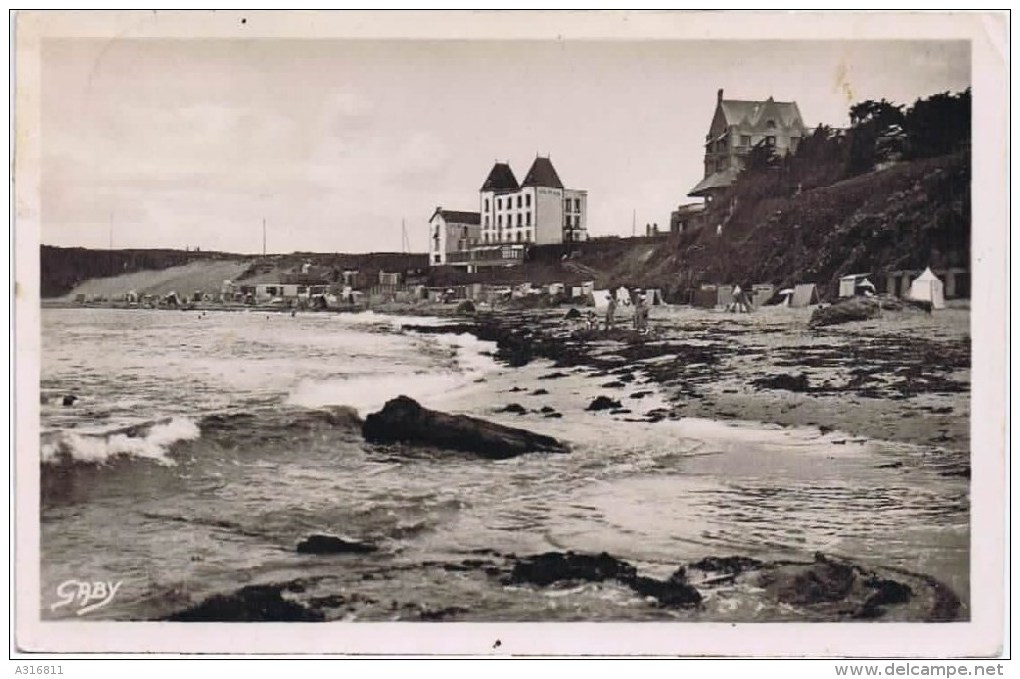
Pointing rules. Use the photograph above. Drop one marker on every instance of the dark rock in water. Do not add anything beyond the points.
(615, 384)
(886, 592)
(513, 408)
(516, 389)
(551, 567)
(627, 377)
(331, 544)
(671, 593)
(572, 313)
(824, 580)
(554, 415)
(640, 394)
(552, 376)
(254, 603)
(404, 420)
(540, 392)
(547, 409)
(782, 381)
(620, 411)
(727, 564)
(603, 403)
(343, 416)
(545, 569)
(68, 400)
(466, 307)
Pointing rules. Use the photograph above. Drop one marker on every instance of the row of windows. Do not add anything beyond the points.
(572, 221)
(576, 201)
(518, 237)
(510, 202)
(524, 220)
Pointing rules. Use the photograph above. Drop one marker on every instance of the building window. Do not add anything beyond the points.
(577, 205)
(499, 203)
(566, 204)
(527, 199)
(499, 221)
(745, 140)
(771, 141)
(486, 220)
(518, 201)
(527, 218)
(771, 124)
(518, 219)
(518, 236)
(486, 204)
(527, 235)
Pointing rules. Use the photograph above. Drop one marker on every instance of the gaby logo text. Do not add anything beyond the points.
(87, 596)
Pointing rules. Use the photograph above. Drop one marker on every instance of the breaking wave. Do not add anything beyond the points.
(152, 442)
(367, 393)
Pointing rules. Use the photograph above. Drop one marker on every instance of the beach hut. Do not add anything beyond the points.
(855, 284)
(705, 297)
(724, 296)
(787, 295)
(804, 294)
(761, 293)
(928, 288)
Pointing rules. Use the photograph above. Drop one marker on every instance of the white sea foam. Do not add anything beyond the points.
(370, 317)
(98, 448)
(368, 393)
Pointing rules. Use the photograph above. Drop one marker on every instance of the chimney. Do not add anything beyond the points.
(718, 96)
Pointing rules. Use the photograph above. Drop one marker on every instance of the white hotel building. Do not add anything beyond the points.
(512, 216)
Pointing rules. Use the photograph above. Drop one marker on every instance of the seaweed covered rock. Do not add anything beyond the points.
(852, 309)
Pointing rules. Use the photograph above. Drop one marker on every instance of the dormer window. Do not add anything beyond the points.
(770, 124)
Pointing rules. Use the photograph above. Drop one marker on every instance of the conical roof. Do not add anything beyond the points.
(501, 178)
(542, 173)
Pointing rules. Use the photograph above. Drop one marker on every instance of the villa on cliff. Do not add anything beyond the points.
(737, 127)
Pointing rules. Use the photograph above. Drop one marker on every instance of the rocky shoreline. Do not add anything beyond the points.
(902, 378)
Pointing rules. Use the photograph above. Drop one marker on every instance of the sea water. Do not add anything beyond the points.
(197, 454)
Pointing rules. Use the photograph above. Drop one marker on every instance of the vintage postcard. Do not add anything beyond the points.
(614, 333)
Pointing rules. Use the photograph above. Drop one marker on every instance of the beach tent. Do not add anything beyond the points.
(601, 299)
(928, 288)
(654, 297)
(804, 294)
(787, 295)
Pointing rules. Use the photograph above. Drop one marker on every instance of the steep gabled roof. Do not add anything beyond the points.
(458, 216)
(755, 113)
(542, 173)
(501, 178)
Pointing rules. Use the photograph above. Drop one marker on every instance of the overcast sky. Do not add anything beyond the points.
(193, 142)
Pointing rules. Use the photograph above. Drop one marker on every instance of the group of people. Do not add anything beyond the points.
(640, 310)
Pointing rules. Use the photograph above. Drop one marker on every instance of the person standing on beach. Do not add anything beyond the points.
(611, 309)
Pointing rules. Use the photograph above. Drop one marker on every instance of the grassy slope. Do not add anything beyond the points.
(905, 217)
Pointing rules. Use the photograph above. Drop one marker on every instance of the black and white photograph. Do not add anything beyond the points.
(546, 326)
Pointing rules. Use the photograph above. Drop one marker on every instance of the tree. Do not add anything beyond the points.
(939, 124)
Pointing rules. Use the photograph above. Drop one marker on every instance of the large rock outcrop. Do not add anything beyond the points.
(404, 420)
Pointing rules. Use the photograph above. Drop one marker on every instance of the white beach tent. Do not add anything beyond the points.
(928, 288)
(601, 298)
